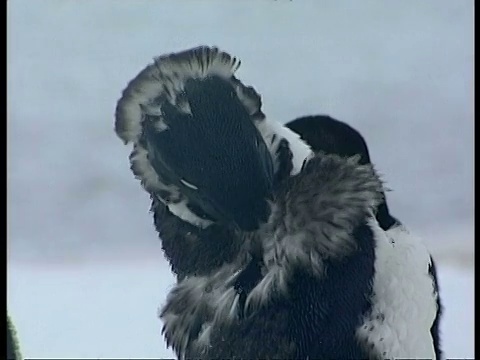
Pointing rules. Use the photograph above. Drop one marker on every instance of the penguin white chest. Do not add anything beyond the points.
(404, 300)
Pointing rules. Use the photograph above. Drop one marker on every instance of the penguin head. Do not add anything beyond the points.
(332, 136)
(197, 147)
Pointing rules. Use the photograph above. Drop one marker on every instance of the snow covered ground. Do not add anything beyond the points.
(84, 264)
(110, 310)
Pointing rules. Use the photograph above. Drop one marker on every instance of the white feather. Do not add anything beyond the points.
(300, 149)
(181, 210)
(187, 184)
(404, 299)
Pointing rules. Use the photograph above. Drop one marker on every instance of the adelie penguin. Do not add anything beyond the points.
(276, 248)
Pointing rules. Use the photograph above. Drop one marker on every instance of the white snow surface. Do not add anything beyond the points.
(110, 310)
(85, 269)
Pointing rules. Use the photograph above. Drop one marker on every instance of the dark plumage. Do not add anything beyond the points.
(284, 302)
(192, 250)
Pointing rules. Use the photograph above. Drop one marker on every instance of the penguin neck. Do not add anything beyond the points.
(191, 249)
(384, 219)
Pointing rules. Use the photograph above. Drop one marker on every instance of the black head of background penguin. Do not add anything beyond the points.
(332, 136)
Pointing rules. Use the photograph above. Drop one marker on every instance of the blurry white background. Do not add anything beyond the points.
(85, 269)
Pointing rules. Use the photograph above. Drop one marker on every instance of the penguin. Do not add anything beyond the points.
(324, 133)
(332, 136)
(13, 348)
(275, 246)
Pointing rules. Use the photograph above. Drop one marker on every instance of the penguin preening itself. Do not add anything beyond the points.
(184, 114)
(279, 258)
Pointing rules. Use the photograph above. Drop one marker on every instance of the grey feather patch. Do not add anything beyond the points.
(313, 219)
(226, 305)
(196, 305)
(186, 311)
(151, 110)
(163, 81)
(144, 171)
